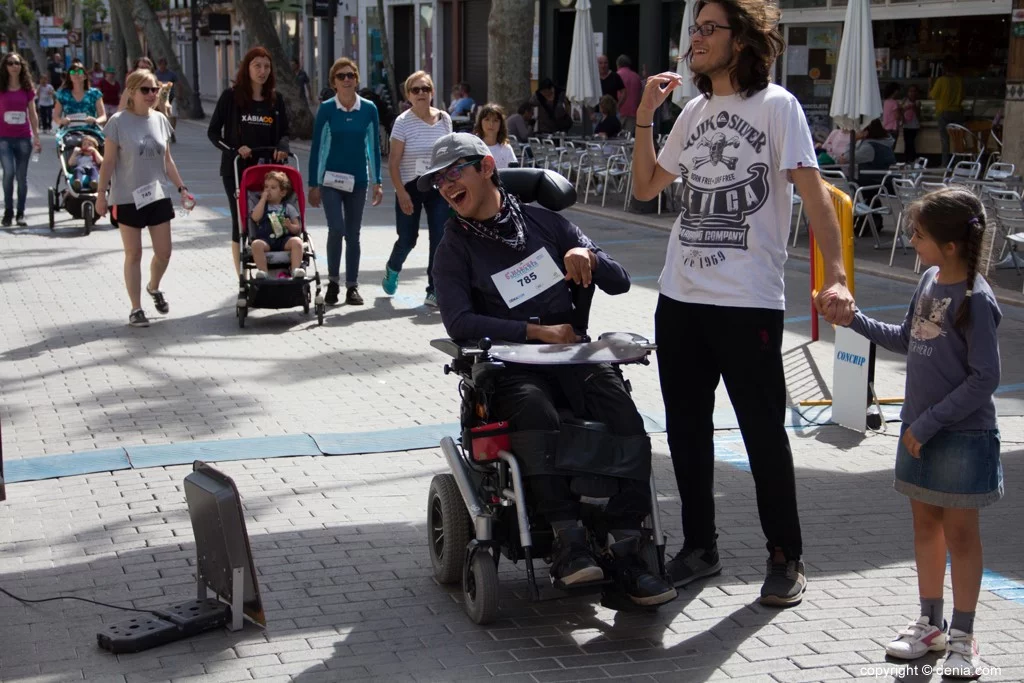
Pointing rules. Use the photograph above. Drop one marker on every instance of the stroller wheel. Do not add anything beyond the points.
(241, 312)
(320, 310)
(88, 213)
(51, 204)
(305, 299)
(480, 589)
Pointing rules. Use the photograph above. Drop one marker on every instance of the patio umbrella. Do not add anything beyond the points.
(687, 91)
(856, 99)
(583, 86)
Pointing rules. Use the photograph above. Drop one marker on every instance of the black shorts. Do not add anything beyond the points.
(160, 211)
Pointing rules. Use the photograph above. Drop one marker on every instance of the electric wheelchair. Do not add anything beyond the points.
(480, 511)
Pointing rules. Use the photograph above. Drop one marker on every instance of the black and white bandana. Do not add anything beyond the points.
(507, 226)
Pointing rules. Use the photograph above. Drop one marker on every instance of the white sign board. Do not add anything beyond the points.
(851, 364)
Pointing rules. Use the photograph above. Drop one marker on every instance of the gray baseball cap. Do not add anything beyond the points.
(449, 149)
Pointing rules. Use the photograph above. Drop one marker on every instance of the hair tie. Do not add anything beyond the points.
(974, 222)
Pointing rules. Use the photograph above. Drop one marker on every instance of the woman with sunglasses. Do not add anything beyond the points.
(136, 163)
(412, 138)
(344, 154)
(76, 97)
(249, 115)
(19, 132)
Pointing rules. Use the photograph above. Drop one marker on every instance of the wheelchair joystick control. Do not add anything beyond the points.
(484, 344)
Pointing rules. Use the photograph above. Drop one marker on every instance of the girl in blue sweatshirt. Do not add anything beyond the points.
(947, 461)
(344, 157)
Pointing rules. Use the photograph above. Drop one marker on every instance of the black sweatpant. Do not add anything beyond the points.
(527, 400)
(697, 344)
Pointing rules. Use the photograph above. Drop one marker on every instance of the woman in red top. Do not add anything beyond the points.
(111, 90)
(19, 128)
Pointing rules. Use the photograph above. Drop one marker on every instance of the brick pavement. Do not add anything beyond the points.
(339, 542)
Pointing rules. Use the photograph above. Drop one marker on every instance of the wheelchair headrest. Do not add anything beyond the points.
(547, 188)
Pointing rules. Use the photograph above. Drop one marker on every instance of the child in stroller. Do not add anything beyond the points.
(85, 162)
(276, 225)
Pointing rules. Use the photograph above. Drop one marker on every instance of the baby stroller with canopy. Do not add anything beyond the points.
(278, 290)
(81, 203)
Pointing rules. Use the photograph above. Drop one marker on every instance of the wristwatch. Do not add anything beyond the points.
(182, 188)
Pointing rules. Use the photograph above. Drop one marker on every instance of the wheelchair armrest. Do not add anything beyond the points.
(547, 188)
(448, 346)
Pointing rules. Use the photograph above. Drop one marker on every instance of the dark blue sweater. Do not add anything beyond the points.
(472, 307)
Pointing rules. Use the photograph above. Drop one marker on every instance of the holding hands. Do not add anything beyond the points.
(836, 304)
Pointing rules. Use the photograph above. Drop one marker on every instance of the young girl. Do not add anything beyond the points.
(947, 461)
(492, 128)
(892, 116)
(277, 225)
(86, 160)
(45, 99)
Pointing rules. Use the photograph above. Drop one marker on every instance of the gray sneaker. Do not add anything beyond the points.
(784, 584)
(691, 564)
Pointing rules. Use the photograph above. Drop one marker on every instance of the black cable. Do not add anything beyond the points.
(75, 597)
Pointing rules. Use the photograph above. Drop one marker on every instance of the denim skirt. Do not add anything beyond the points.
(956, 469)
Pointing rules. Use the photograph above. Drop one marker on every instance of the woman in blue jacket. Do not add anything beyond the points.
(344, 156)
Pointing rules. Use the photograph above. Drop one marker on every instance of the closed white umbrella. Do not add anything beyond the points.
(687, 91)
(856, 99)
(583, 85)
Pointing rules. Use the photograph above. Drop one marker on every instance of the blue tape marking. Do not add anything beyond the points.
(219, 451)
(1009, 388)
(222, 210)
(387, 441)
(69, 465)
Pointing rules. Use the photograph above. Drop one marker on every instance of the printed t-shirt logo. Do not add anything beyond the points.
(150, 148)
(258, 119)
(718, 200)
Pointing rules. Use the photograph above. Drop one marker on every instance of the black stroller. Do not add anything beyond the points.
(81, 204)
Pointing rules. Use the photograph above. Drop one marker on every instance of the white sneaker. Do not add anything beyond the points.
(298, 272)
(962, 660)
(260, 275)
(918, 638)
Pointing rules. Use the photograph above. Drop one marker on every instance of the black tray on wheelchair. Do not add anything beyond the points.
(611, 347)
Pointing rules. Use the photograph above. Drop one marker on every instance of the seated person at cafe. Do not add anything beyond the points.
(874, 152)
(490, 239)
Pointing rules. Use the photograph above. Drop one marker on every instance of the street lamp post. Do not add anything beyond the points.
(195, 7)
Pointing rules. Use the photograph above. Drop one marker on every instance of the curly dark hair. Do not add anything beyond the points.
(755, 26)
(24, 77)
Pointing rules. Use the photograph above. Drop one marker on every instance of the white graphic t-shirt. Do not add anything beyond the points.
(728, 245)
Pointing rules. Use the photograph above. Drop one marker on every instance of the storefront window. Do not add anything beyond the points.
(809, 64)
(427, 38)
(374, 50)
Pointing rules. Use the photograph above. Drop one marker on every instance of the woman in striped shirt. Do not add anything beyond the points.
(412, 139)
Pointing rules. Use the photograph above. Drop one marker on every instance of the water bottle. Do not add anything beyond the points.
(35, 157)
(187, 204)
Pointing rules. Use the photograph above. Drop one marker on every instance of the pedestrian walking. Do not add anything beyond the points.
(166, 76)
(19, 133)
(249, 115)
(344, 156)
(76, 98)
(111, 90)
(136, 162)
(720, 313)
(45, 99)
(412, 139)
(947, 459)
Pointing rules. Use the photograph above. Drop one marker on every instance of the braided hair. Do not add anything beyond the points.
(955, 215)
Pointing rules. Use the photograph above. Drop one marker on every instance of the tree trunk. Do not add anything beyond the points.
(30, 34)
(509, 51)
(396, 96)
(259, 25)
(160, 45)
(121, 13)
(118, 49)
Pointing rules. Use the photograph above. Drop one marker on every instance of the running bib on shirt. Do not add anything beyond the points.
(14, 118)
(147, 194)
(339, 181)
(528, 278)
(422, 165)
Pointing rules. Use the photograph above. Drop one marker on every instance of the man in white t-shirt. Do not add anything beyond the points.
(739, 149)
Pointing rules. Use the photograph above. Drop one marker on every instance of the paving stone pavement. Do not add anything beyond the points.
(339, 543)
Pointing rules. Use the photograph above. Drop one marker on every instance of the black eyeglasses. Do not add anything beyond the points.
(345, 76)
(148, 90)
(706, 29)
(417, 89)
(452, 174)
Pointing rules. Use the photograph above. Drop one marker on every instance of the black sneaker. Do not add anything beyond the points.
(691, 564)
(573, 562)
(138, 318)
(20, 221)
(6, 222)
(784, 584)
(352, 297)
(158, 300)
(635, 578)
(331, 298)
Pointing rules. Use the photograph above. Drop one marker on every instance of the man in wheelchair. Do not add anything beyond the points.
(510, 272)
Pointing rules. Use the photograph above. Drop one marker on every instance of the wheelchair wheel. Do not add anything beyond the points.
(448, 529)
(480, 590)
